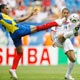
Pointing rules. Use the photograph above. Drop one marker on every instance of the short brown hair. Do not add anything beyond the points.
(65, 9)
(2, 6)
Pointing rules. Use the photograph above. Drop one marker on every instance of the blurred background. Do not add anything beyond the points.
(48, 10)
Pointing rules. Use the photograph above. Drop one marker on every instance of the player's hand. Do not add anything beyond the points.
(61, 21)
(64, 20)
(34, 11)
(78, 24)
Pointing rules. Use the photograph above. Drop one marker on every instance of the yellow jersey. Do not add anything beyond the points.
(8, 23)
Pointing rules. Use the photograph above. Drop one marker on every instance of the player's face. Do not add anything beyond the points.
(5, 10)
(65, 13)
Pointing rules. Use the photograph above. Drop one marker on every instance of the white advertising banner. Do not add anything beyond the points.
(31, 56)
(37, 55)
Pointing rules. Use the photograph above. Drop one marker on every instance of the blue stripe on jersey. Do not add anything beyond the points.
(1, 16)
(8, 21)
(15, 20)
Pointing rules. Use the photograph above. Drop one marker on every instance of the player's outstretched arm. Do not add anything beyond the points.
(52, 33)
(21, 19)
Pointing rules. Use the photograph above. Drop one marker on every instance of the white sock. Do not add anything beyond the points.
(68, 34)
(70, 67)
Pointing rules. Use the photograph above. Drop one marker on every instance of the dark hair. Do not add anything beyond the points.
(2, 6)
(65, 9)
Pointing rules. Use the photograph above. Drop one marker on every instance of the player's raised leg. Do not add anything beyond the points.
(74, 32)
(47, 25)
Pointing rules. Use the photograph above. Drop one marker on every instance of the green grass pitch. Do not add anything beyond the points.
(40, 72)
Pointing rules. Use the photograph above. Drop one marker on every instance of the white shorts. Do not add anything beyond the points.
(67, 45)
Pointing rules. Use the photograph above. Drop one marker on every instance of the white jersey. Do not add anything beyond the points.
(60, 29)
(70, 26)
(67, 26)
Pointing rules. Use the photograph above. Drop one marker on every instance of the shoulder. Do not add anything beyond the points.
(2, 16)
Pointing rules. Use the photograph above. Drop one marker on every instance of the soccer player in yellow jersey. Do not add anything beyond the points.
(17, 31)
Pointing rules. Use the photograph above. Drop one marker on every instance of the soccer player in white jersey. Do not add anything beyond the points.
(62, 39)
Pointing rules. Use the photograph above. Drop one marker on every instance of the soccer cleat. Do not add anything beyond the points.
(13, 74)
(76, 29)
(69, 78)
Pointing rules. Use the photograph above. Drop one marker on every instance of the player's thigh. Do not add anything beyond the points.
(69, 50)
(70, 54)
(19, 49)
(18, 45)
(67, 45)
(61, 38)
(24, 29)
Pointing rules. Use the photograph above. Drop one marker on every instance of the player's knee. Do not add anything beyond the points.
(61, 38)
(19, 49)
(72, 60)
